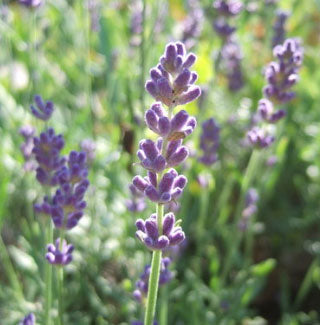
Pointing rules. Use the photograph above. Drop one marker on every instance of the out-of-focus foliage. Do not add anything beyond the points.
(86, 57)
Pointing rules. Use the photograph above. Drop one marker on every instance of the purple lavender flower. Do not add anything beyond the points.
(46, 150)
(169, 188)
(228, 7)
(223, 28)
(31, 3)
(43, 208)
(68, 201)
(282, 75)
(231, 57)
(171, 81)
(148, 232)
(266, 110)
(43, 110)
(166, 276)
(192, 24)
(30, 319)
(89, 147)
(252, 198)
(27, 132)
(259, 137)
(209, 142)
(180, 125)
(59, 255)
(279, 27)
(137, 202)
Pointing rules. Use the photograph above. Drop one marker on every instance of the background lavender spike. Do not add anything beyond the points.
(42, 110)
(30, 319)
(166, 276)
(27, 132)
(279, 31)
(209, 141)
(252, 197)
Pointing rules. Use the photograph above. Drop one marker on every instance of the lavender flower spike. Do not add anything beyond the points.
(43, 110)
(46, 150)
(148, 232)
(30, 319)
(68, 201)
(59, 256)
(209, 142)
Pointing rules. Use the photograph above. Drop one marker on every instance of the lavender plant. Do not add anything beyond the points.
(279, 32)
(171, 84)
(209, 142)
(230, 53)
(65, 208)
(281, 75)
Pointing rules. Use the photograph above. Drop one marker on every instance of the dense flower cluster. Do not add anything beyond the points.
(279, 32)
(30, 319)
(142, 284)
(230, 52)
(209, 142)
(69, 175)
(281, 75)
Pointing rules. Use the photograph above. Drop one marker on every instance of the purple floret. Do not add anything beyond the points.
(57, 255)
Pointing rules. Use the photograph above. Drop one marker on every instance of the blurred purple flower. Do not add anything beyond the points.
(279, 27)
(228, 7)
(46, 150)
(209, 142)
(31, 3)
(283, 74)
(27, 132)
(68, 202)
(42, 110)
(259, 137)
(89, 147)
(166, 276)
(252, 198)
(137, 202)
(30, 319)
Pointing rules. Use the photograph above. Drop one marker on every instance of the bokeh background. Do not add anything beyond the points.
(91, 58)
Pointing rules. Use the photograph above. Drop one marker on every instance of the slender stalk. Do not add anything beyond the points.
(48, 279)
(142, 54)
(60, 283)
(306, 283)
(163, 318)
(60, 294)
(247, 180)
(154, 275)
(10, 271)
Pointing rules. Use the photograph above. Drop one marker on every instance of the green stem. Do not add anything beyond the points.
(60, 282)
(142, 54)
(163, 318)
(10, 271)
(154, 275)
(306, 283)
(246, 182)
(48, 279)
(60, 294)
